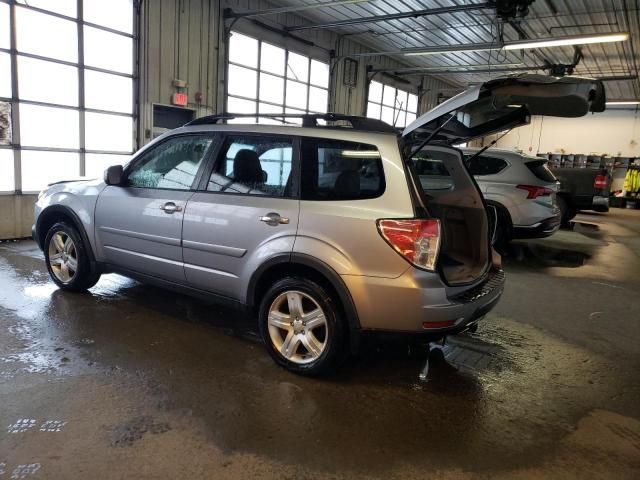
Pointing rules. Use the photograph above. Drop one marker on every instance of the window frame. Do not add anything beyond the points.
(15, 99)
(315, 141)
(213, 162)
(285, 78)
(140, 156)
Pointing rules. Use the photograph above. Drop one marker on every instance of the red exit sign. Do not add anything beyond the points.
(180, 99)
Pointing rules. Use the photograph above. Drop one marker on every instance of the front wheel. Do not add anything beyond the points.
(301, 326)
(67, 259)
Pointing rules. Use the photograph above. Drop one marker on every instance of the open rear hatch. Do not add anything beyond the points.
(444, 187)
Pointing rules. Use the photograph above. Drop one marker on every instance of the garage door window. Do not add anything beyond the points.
(265, 78)
(73, 100)
(393, 105)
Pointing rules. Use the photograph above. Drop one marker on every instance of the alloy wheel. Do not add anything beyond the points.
(63, 257)
(298, 328)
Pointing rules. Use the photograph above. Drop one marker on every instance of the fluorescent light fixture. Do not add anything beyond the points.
(571, 40)
(624, 102)
(519, 45)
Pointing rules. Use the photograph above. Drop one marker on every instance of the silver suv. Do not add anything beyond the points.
(521, 188)
(326, 230)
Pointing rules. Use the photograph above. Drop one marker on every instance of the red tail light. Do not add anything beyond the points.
(416, 240)
(534, 191)
(600, 182)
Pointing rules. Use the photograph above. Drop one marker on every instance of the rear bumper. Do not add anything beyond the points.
(545, 228)
(598, 203)
(409, 303)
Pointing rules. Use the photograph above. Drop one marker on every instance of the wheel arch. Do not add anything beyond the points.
(302, 264)
(503, 213)
(57, 213)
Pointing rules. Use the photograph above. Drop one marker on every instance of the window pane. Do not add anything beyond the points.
(60, 86)
(42, 34)
(49, 127)
(401, 99)
(4, 26)
(40, 168)
(5, 123)
(5, 75)
(64, 7)
(173, 164)
(387, 115)
(389, 96)
(297, 121)
(243, 50)
(253, 165)
(116, 14)
(298, 67)
(336, 170)
(296, 94)
(318, 98)
(272, 59)
(242, 81)
(108, 132)
(6, 167)
(271, 88)
(373, 110)
(412, 103)
(108, 50)
(108, 92)
(410, 117)
(239, 105)
(319, 74)
(97, 163)
(400, 117)
(375, 92)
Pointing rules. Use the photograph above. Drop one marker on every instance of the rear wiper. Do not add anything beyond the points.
(484, 149)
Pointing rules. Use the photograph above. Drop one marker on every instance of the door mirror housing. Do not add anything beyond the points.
(113, 175)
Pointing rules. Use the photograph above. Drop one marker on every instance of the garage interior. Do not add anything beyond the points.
(131, 381)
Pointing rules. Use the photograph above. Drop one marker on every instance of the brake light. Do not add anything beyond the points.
(600, 182)
(534, 191)
(418, 241)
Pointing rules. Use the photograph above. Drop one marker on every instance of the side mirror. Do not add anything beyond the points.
(113, 175)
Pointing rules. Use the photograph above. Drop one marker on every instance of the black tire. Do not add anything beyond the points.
(567, 212)
(335, 334)
(85, 276)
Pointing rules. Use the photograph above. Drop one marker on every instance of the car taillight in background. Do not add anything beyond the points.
(416, 240)
(534, 191)
(600, 182)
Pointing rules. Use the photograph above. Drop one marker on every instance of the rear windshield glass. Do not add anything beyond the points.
(431, 170)
(540, 170)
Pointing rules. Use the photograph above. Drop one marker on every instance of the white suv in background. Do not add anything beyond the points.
(521, 188)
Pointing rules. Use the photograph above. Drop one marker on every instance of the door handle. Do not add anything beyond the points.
(274, 219)
(170, 207)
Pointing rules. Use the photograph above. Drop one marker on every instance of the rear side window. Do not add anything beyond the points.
(339, 170)
(485, 165)
(540, 170)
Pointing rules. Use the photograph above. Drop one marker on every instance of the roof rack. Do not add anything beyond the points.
(308, 120)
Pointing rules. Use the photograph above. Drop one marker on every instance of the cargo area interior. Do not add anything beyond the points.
(450, 195)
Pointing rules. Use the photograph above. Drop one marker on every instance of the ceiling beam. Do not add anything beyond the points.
(394, 16)
(290, 9)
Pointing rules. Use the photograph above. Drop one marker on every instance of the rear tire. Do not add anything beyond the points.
(567, 212)
(68, 260)
(302, 326)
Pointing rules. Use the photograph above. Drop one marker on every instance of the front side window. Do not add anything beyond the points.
(338, 170)
(254, 166)
(172, 165)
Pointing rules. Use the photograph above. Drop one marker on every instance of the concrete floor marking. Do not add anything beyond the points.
(25, 470)
(21, 425)
(52, 426)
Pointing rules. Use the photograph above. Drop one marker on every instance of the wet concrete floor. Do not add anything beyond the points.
(129, 381)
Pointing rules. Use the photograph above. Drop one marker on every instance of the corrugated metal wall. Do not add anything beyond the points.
(184, 39)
